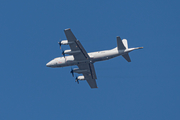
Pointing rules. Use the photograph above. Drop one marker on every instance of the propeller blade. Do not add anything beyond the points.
(63, 53)
(72, 72)
(60, 43)
(77, 80)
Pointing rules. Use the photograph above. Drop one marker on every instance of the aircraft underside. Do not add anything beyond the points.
(84, 61)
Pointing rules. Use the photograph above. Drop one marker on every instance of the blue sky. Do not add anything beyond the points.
(147, 88)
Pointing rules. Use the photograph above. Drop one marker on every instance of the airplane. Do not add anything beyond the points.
(78, 56)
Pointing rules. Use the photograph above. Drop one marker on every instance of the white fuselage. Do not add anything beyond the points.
(94, 57)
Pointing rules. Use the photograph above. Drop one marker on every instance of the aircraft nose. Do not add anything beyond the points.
(48, 64)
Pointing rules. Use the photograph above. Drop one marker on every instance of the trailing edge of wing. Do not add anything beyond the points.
(92, 83)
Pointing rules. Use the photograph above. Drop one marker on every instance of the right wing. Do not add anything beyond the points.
(75, 45)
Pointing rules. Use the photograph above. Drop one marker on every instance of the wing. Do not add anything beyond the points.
(90, 75)
(75, 45)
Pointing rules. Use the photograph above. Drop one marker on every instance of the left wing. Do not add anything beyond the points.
(90, 74)
(81, 55)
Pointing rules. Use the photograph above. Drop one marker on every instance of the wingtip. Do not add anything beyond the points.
(67, 29)
(93, 87)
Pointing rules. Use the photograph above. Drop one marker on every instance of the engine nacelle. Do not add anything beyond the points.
(69, 52)
(77, 70)
(80, 78)
(64, 42)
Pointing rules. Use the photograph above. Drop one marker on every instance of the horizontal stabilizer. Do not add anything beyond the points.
(126, 56)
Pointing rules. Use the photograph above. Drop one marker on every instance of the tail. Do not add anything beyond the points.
(123, 45)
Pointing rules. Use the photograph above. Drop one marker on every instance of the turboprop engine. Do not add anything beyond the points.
(64, 42)
(77, 70)
(79, 78)
(69, 52)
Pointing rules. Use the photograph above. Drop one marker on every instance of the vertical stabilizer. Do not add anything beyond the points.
(120, 44)
(125, 43)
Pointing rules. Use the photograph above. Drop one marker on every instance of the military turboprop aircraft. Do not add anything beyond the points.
(84, 61)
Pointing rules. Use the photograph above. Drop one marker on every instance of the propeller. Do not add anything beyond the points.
(77, 80)
(72, 72)
(63, 53)
(60, 43)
